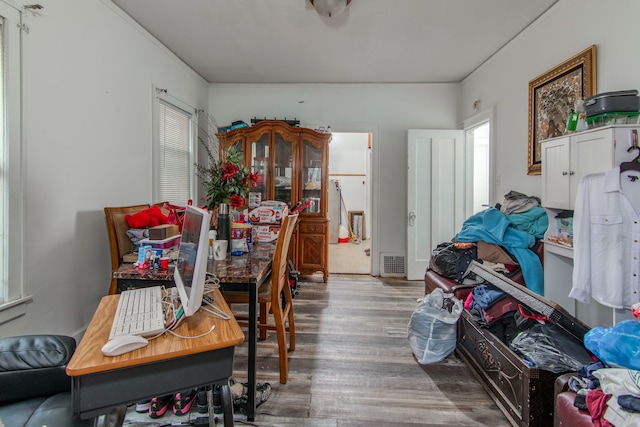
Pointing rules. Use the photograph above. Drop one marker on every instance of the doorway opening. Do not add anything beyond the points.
(478, 140)
(349, 203)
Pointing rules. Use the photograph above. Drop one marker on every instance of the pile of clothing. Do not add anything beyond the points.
(500, 237)
(610, 388)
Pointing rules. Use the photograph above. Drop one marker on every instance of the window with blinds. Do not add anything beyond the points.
(13, 291)
(175, 156)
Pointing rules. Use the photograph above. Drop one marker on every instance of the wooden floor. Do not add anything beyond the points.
(353, 365)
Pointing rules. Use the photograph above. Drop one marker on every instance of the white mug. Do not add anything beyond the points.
(220, 249)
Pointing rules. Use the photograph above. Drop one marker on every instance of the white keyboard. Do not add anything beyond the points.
(139, 312)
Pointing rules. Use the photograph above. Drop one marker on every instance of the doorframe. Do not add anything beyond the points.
(374, 130)
(487, 115)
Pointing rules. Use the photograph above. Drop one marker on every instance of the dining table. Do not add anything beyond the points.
(237, 273)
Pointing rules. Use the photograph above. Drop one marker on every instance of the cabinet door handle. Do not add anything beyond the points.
(572, 173)
(565, 173)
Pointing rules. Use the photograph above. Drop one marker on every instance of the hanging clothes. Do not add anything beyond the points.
(606, 239)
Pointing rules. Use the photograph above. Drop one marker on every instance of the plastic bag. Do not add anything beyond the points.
(443, 260)
(618, 345)
(176, 214)
(432, 327)
(551, 348)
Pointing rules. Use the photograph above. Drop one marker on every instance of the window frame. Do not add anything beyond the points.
(15, 293)
(162, 96)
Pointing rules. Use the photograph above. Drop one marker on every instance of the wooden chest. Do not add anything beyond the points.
(523, 393)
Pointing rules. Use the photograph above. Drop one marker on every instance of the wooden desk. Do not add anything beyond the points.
(243, 273)
(167, 365)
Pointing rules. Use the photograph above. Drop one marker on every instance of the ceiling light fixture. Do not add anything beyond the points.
(330, 8)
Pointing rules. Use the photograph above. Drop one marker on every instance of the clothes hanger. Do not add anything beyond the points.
(634, 164)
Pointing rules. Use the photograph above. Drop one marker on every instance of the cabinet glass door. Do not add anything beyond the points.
(231, 141)
(311, 178)
(260, 165)
(282, 169)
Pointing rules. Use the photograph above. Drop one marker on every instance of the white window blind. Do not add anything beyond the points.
(175, 154)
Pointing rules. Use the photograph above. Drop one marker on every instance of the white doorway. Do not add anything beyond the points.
(435, 193)
(448, 179)
(477, 139)
(350, 207)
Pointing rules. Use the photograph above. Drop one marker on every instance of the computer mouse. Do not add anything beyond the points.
(123, 344)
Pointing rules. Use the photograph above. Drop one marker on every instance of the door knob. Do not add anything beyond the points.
(412, 218)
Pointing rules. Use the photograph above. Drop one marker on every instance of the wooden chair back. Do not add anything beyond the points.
(279, 268)
(119, 243)
(117, 227)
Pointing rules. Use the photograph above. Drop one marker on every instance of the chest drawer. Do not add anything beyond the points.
(524, 393)
(312, 228)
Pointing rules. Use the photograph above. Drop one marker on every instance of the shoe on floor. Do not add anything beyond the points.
(183, 401)
(143, 406)
(263, 391)
(160, 405)
(201, 399)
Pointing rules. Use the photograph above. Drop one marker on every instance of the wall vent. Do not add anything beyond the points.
(392, 265)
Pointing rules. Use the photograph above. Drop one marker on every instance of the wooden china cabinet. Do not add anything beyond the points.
(292, 166)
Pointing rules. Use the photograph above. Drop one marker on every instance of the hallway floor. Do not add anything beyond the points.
(350, 258)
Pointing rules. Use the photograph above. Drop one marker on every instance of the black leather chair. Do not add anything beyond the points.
(34, 387)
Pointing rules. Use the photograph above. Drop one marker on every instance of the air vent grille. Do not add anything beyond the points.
(392, 265)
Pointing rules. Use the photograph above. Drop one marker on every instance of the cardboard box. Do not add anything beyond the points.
(268, 214)
(265, 233)
(163, 231)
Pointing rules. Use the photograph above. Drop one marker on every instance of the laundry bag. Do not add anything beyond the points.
(433, 325)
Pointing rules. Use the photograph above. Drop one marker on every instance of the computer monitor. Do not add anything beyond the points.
(191, 266)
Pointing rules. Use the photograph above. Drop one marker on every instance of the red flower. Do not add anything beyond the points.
(236, 201)
(254, 177)
(229, 171)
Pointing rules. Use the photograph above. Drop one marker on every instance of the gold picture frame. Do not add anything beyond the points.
(552, 96)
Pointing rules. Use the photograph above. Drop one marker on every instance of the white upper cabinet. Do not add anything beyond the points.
(565, 160)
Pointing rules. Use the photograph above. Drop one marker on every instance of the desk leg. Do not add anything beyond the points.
(253, 342)
(227, 405)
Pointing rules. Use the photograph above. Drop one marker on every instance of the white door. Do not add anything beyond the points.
(435, 193)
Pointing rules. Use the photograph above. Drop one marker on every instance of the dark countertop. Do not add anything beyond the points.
(250, 267)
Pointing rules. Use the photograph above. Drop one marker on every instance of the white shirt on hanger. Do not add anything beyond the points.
(606, 239)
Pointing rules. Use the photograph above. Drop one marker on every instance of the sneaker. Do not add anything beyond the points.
(159, 406)
(182, 401)
(263, 391)
(143, 406)
(203, 405)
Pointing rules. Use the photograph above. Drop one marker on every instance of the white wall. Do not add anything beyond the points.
(87, 100)
(565, 30)
(388, 110)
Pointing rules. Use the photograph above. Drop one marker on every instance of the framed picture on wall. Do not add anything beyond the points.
(552, 97)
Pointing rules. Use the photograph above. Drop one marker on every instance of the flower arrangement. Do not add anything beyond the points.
(226, 180)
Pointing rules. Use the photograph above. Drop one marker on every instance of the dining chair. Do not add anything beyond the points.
(274, 297)
(119, 243)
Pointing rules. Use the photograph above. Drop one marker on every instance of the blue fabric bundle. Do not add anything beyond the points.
(492, 226)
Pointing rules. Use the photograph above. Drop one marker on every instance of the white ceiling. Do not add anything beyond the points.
(373, 41)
